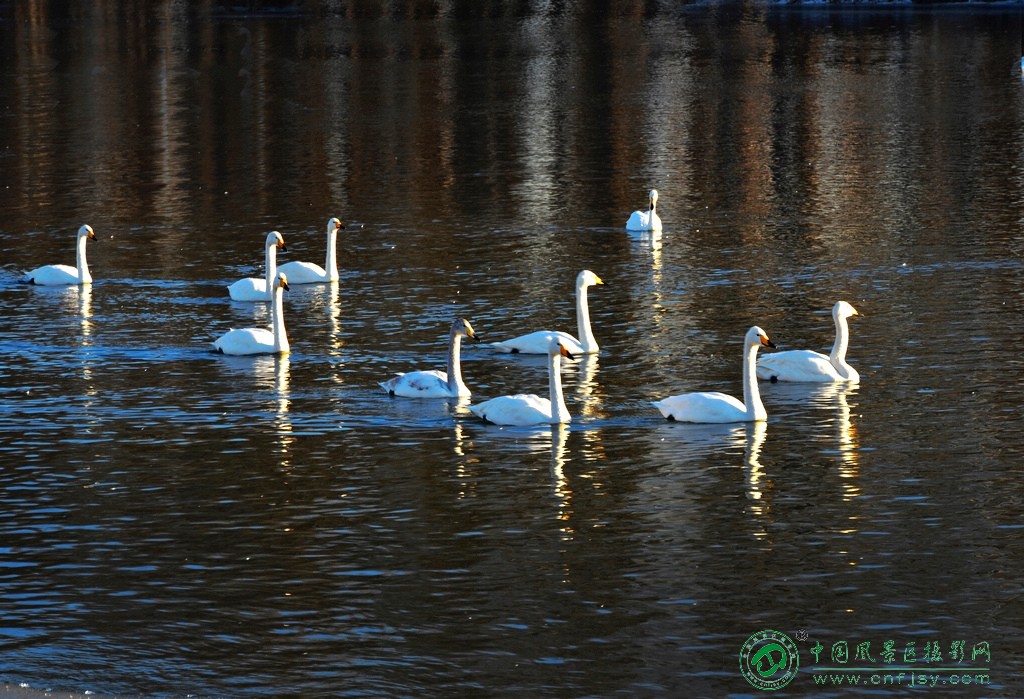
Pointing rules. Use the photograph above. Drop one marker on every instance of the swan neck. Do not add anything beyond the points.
(838, 355)
(270, 262)
(80, 261)
(586, 336)
(277, 322)
(751, 394)
(559, 412)
(455, 384)
(331, 262)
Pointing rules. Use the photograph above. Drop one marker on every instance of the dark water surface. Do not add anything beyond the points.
(174, 522)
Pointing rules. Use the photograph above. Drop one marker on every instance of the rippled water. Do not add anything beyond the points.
(178, 522)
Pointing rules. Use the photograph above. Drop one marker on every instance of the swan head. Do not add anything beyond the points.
(757, 336)
(461, 326)
(654, 198)
(282, 281)
(557, 349)
(334, 225)
(276, 240)
(842, 309)
(587, 278)
(86, 232)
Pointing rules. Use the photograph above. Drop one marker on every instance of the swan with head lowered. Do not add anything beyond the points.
(648, 220)
(310, 273)
(808, 365)
(523, 410)
(259, 340)
(253, 289)
(433, 383)
(717, 407)
(538, 342)
(62, 275)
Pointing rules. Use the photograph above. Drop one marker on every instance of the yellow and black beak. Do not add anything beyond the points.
(564, 352)
(767, 342)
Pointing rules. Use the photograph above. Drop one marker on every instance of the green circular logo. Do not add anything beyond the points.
(769, 660)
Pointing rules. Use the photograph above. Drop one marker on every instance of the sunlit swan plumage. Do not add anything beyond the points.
(522, 410)
(253, 289)
(719, 407)
(260, 340)
(645, 220)
(538, 342)
(808, 365)
(56, 275)
(433, 383)
(309, 273)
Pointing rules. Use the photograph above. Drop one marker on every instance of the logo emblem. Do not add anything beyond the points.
(769, 660)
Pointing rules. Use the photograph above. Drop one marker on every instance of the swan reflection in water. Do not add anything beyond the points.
(273, 373)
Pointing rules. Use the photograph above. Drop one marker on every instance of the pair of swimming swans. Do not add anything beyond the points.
(63, 275)
(255, 289)
(791, 365)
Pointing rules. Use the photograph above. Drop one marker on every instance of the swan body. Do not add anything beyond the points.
(433, 383)
(522, 410)
(807, 365)
(646, 220)
(538, 342)
(259, 340)
(717, 407)
(309, 273)
(253, 289)
(58, 275)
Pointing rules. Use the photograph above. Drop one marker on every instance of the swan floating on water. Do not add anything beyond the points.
(432, 383)
(808, 365)
(258, 340)
(523, 410)
(253, 289)
(538, 342)
(645, 220)
(62, 275)
(719, 407)
(309, 273)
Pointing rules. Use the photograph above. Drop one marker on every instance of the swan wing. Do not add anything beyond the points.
(519, 410)
(702, 407)
(249, 289)
(246, 341)
(419, 384)
(52, 275)
(639, 221)
(797, 365)
(303, 273)
(538, 343)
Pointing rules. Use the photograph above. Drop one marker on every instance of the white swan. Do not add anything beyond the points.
(645, 220)
(522, 410)
(537, 342)
(259, 340)
(55, 275)
(808, 365)
(253, 289)
(309, 273)
(719, 407)
(432, 383)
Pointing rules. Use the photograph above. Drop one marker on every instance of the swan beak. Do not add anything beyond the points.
(282, 247)
(598, 280)
(766, 342)
(92, 236)
(284, 283)
(471, 334)
(338, 225)
(564, 352)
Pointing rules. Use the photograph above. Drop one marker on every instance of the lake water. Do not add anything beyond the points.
(175, 522)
